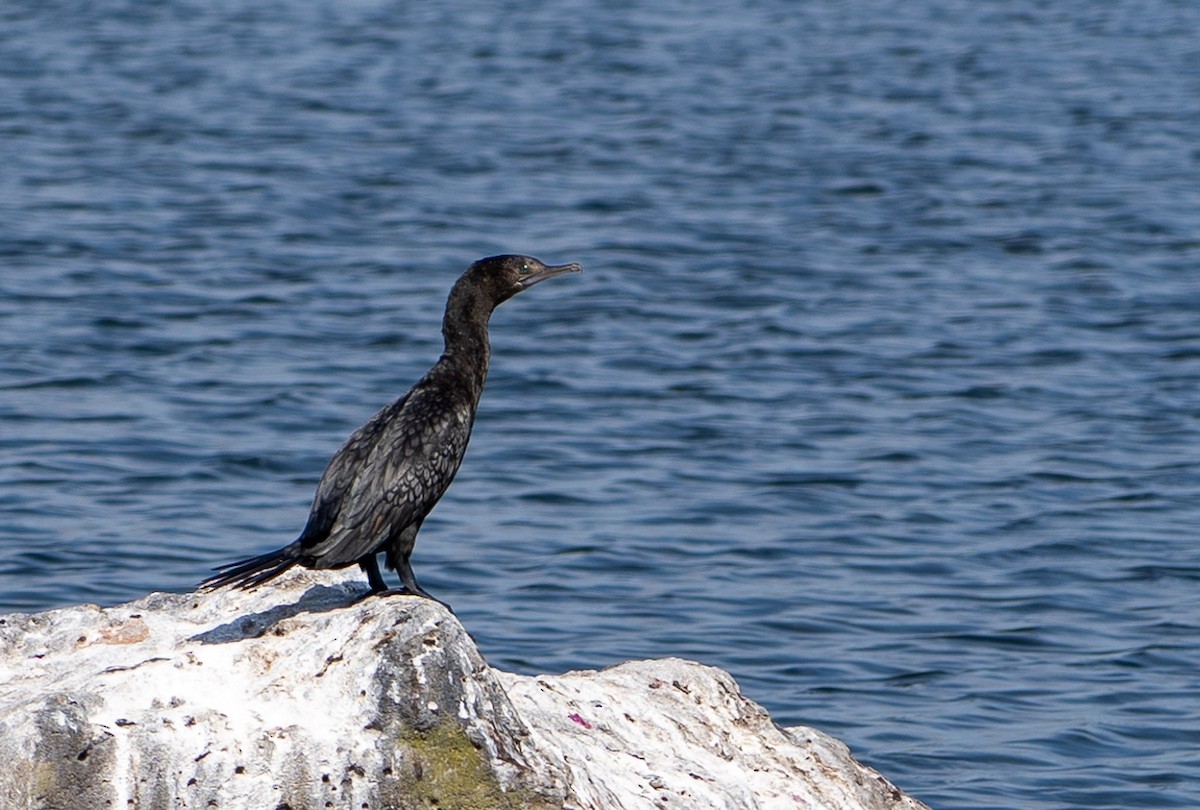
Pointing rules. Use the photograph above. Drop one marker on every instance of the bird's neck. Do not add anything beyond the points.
(465, 329)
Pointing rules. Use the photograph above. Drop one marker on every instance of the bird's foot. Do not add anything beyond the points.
(401, 591)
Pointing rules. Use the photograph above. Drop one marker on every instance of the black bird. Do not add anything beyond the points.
(379, 487)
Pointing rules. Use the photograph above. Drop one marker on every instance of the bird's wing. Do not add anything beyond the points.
(415, 455)
(339, 475)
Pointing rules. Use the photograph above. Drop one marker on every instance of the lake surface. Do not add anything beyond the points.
(881, 388)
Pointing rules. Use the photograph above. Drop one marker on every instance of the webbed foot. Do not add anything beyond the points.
(402, 591)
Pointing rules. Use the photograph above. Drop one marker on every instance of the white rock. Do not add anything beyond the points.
(673, 733)
(292, 697)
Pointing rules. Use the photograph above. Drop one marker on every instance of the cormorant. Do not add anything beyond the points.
(379, 487)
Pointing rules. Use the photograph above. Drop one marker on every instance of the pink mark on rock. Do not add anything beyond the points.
(579, 720)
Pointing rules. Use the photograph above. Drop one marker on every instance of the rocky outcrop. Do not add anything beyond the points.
(295, 696)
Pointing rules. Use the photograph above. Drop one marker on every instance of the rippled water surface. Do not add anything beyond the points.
(881, 388)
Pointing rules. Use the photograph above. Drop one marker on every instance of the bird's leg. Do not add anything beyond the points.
(398, 554)
(411, 588)
(371, 566)
(404, 569)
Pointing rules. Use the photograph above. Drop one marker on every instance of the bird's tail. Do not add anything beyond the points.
(253, 572)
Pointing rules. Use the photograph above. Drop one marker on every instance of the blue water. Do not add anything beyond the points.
(881, 388)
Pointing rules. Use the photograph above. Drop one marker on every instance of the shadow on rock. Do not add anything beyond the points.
(317, 599)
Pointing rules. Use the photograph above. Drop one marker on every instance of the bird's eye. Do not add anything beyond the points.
(524, 269)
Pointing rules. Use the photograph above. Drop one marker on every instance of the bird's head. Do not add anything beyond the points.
(502, 277)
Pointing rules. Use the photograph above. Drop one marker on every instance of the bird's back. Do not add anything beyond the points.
(389, 474)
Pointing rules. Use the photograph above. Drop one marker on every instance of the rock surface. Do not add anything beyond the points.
(293, 697)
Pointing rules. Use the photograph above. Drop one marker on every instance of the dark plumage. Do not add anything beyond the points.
(379, 487)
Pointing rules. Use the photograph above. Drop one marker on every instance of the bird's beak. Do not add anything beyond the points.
(549, 271)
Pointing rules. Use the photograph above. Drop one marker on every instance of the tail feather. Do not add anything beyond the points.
(251, 573)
